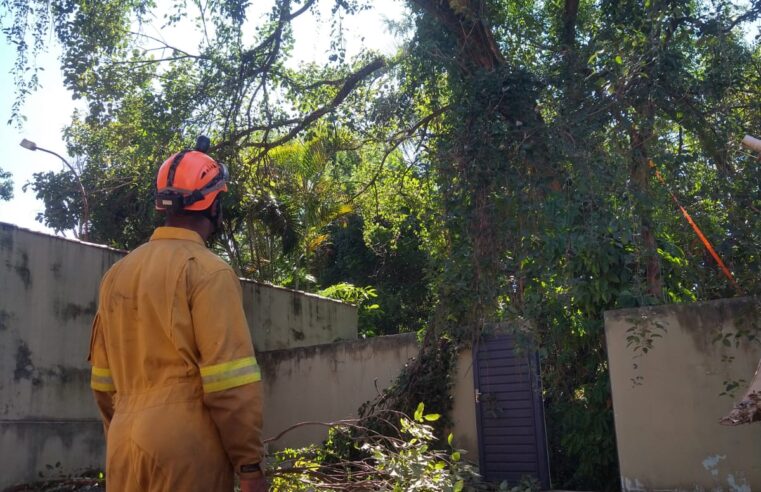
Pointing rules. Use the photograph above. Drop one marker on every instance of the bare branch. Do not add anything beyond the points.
(167, 46)
(300, 11)
(304, 424)
(396, 140)
(152, 61)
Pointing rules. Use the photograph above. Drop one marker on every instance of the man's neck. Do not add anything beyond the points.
(197, 224)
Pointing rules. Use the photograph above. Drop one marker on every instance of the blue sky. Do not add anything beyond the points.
(49, 109)
(47, 112)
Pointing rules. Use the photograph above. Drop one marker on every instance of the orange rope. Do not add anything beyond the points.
(697, 230)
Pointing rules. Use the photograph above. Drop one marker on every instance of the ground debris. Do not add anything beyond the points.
(63, 485)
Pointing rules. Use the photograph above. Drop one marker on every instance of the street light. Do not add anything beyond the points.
(29, 145)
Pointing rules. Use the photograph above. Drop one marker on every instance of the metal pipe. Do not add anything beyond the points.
(83, 231)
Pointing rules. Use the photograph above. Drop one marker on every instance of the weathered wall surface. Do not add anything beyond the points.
(48, 296)
(667, 402)
(326, 383)
(48, 292)
(282, 318)
(464, 407)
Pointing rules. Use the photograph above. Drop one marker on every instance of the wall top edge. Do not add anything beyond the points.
(660, 309)
(294, 291)
(13, 227)
(379, 342)
(5, 226)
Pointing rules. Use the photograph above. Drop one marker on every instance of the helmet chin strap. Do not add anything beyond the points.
(214, 215)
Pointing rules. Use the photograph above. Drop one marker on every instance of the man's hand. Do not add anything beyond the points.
(254, 485)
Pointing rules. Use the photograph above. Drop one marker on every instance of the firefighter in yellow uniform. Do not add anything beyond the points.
(174, 372)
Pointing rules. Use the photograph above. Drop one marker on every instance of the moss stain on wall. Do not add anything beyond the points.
(5, 317)
(22, 270)
(24, 365)
(70, 311)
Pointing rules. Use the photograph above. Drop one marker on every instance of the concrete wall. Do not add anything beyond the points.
(48, 291)
(282, 318)
(326, 383)
(667, 402)
(48, 296)
(464, 408)
(329, 382)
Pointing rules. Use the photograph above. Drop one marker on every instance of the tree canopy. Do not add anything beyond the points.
(499, 169)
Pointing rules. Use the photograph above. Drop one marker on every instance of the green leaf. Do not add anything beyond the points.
(449, 438)
(619, 60)
(456, 456)
(419, 412)
(458, 486)
(432, 417)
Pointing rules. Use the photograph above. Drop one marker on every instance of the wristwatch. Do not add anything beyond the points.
(252, 468)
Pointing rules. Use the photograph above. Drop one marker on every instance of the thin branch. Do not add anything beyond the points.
(168, 46)
(202, 10)
(396, 140)
(153, 61)
(304, 424)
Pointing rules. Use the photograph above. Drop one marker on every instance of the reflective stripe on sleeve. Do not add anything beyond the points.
(100, 379)
(230, 374)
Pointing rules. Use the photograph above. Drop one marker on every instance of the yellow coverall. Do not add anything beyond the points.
(173, 370)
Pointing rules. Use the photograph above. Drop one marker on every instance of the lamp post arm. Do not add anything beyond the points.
(86, 218)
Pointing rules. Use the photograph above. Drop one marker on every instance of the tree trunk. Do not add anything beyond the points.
(481, 155)
(640, 174)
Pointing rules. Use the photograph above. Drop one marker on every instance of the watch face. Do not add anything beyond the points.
(254, 467)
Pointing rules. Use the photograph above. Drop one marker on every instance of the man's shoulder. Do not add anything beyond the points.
(126, 259)
(210, 269)
(209, 262)
(176, 255)
(189, 252)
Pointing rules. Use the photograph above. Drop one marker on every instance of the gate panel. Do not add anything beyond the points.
(509, 413)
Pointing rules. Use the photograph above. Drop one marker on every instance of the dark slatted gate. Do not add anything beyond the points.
(510, 413)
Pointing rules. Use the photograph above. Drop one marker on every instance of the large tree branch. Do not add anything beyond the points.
(349, 84)
(258, 61)
(286, 16)
(751, 15)
(568, 30)
(300, 11)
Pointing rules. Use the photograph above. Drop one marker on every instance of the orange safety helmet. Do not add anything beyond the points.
(190, 179)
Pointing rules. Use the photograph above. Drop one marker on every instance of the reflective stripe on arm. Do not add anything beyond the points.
(100, 379)
(230, 374)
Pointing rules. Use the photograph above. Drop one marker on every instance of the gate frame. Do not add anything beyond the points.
(540, 426)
